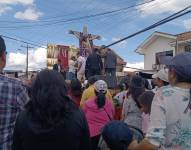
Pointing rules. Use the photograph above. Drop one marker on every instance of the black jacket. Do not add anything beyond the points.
(110, 60)
(73, 134)
(94, 62)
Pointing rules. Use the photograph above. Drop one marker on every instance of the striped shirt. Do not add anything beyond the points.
(13, 97)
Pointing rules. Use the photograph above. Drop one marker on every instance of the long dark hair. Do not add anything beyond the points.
(49, 102)
(100, 100)
(146, 99)
(76, 87)
(136, 88)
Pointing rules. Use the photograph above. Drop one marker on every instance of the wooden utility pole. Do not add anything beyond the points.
(27, 57)
(176, 47)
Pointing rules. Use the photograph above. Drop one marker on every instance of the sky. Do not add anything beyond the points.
(42, 22)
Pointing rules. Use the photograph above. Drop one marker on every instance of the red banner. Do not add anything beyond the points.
(63, 56)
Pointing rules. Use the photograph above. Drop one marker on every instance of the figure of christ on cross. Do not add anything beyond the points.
(85, 41)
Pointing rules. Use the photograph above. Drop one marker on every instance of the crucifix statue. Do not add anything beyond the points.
(85, 40)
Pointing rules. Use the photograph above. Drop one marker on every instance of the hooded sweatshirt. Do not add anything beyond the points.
(98, 117)
(71, 134)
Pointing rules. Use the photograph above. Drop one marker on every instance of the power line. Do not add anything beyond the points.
(82, 17)
(19, 37)
(161, 22)
(50, 19)
(95, 24)
(18, 40)
(108, 45)
(135, 16)
(126, 19)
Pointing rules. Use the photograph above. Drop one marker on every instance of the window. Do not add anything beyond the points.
(160, 54)
(187, 48)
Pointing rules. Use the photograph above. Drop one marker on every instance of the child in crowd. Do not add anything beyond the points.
(145, 101)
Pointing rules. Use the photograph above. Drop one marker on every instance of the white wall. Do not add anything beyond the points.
(161, 44)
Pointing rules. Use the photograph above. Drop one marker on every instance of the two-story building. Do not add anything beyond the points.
(163, 44)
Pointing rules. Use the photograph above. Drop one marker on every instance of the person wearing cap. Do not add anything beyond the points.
(98, 111)
(13, 97)
(161, 78)
(117, 135)
(131, 113)
(90, 92)
(170, 120)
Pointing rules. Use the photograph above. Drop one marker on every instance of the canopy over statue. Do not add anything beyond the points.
(85, 40)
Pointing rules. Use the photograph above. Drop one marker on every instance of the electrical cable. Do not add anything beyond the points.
(161, 22)
(81, 17)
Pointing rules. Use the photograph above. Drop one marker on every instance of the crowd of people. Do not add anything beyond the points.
(52, 113)
(84, 67)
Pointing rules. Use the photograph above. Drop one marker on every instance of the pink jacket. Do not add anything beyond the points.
(97, 118)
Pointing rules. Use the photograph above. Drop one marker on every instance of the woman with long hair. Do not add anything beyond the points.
(170, 120)
(131, 113)
(51, 120)
(99, 111)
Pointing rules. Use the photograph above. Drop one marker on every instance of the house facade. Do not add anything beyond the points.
(163, 44)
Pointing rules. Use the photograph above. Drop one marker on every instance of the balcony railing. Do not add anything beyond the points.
(158, 66)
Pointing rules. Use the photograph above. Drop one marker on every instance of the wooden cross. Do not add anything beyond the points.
(85, 40)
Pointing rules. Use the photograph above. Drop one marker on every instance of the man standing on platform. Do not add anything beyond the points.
(13, 97)
(94, 64)
(110, 67)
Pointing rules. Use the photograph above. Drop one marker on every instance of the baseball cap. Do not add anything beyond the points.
(2, 44)
(117, 135)
(181, 63)
(162, 74)
(100, 86)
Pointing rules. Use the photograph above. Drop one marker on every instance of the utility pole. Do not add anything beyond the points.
(27, 58)
(177, 48)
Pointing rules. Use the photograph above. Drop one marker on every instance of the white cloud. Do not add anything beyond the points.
(123, 43)
(4, 8)
(162, 6)
(37, 60)
(13, 2)
(29, 14)
(137, 65)
(187, 23)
